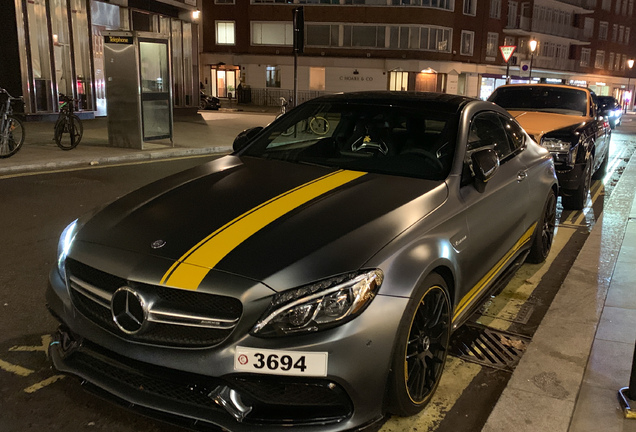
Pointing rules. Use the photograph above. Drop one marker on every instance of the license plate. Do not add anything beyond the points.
(275, 362)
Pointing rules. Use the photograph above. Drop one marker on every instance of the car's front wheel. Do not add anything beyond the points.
(544, 232)
(577, 200)
(421, 348)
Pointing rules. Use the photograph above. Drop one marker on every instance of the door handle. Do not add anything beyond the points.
(521, 175)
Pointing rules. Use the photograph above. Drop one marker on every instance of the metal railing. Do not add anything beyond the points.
(271, 97)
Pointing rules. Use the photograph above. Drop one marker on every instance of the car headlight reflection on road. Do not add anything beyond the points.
(64, 247)
(321, 305)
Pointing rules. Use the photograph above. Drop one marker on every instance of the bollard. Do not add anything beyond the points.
(628, 394)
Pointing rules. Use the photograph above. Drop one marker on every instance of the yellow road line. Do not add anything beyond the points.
(457, 376)
(508, 303)
(15, 369)
(38, 386)
(193, 266)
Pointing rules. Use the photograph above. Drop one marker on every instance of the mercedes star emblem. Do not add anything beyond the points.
(128, 309)
(157, 244)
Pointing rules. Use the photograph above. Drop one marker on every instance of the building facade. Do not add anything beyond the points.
(55, 47)
(450, 46)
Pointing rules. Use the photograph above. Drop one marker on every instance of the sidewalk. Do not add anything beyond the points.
(192, 135)
(579, 357)
(581, 354)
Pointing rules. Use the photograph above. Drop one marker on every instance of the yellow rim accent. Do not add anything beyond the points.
(485, 281)
(194, 265)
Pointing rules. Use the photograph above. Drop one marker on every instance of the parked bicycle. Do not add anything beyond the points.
(68, 127)
(11, 128)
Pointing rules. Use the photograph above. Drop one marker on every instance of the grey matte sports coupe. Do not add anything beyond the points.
(312, 278)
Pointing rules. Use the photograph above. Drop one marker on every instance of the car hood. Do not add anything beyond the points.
(279, 223)
(538, 124)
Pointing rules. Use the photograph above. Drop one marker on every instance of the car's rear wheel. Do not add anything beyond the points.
(577, 200)
(544, 232)
(421, 348)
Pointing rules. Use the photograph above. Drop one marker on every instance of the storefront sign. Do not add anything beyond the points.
(126, 40)
(355, 78)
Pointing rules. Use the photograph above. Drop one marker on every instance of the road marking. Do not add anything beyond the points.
(44, 383)
(457, 376)
(46, 341)
(15, 369)
(520, 288)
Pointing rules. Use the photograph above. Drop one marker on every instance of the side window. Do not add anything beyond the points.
(516, 137)
(486, 131)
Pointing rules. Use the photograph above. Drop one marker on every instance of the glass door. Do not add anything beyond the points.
(155, 89)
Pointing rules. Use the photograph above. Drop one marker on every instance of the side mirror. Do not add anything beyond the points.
(243, 138)
(485, 164)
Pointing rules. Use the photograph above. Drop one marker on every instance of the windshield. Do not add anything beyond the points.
(546, 99)
(365, 137)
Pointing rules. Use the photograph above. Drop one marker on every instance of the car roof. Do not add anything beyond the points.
(565, 86)
(433, 100)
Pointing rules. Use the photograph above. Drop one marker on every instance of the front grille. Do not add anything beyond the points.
(209, 318)
(274, 400)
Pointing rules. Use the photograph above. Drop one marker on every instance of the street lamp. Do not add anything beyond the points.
(533, 46)
(630, 65)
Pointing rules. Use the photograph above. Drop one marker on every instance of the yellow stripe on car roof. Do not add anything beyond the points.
(194, 265)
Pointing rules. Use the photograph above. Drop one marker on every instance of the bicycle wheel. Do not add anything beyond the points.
(68, 132)
(12, 137)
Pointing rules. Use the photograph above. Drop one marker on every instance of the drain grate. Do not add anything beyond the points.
(486, 346)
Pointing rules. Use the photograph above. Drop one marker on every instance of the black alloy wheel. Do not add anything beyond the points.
(544, 232)
(421, 349)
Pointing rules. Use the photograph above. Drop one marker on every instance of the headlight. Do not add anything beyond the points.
(556, 145)
(64, 247)
(319, 306)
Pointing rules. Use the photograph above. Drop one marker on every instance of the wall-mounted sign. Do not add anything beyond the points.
(126, 40)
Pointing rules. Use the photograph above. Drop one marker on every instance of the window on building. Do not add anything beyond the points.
(606, 5)
(624, 11)
(225, 33)
(317, 78)
(588, 27)
(617, 62)
(492, 43)
(623, 62)
(468, 37)
(599, 60)
(602, 30)
(614, 32)
(272, 33)
(272, 76)
(512, 14)
(398, 81)
(509, 41)
(585, 57)
(610, 62)
(630, 8)
(627, 31)
(435, 39)
(621, 33)
(495, 9)
(617, 10)
(470, 7)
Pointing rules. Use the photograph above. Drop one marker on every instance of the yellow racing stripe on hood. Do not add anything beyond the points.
(194, 265)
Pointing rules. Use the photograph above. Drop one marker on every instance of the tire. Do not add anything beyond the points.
(421, 348)
(577, 200)
(68, 132)
(12, 142)
(544, 232)
(202, 104)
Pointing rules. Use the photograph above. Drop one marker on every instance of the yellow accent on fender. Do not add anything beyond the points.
(468, 298)
(194, 265)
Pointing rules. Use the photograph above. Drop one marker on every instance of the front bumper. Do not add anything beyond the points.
(569, 177)
(199, 388)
